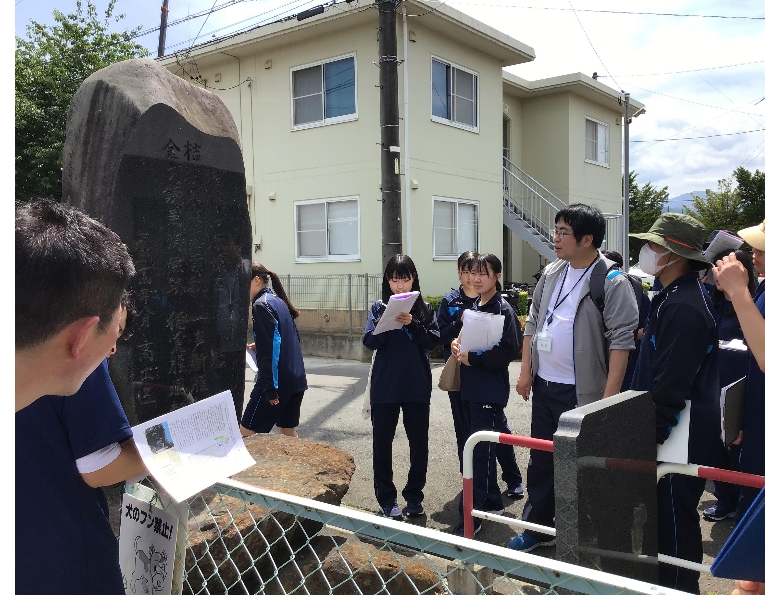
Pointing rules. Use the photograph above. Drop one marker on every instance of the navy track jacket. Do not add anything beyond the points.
(277, 346)
(450, 310)
(679, 361)
(401, 371)
(486, 379)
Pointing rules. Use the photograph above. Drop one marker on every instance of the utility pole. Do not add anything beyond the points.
(626, 207)
(163, 28)
(390, 151)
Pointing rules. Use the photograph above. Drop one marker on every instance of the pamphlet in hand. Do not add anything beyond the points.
(722, 241)
(189, 449)
(732, 409)
(733, 345)
(252, 361)
(401, 302)
(480, 331)
(675, 448)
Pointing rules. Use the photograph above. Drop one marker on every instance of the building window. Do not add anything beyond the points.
(324, 93)
(595, 142)
(327, 230)
(454, 95)
(455, 227)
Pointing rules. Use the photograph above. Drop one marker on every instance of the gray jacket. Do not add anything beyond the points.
(593, 339)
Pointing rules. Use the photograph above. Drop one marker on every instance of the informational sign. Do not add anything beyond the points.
(148, 536)
(189, 449)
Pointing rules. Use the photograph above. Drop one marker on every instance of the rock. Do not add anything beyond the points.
(229, 538)
(158, 160)
(363, 562)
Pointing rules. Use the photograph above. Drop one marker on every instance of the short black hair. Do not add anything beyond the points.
(615, 256)
(584, 220)
(466, 260)
(68, 266)
(402, 267)
(487, 261)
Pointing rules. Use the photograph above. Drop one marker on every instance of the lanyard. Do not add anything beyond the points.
(559, 300)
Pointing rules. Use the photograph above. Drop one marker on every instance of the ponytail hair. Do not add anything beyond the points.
(258, 270)
(489, 264)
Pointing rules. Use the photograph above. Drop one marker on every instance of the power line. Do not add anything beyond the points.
(689, 70)
(696, 102)
(203, 24)
(664, 140)
(590, 42)
(620, 12)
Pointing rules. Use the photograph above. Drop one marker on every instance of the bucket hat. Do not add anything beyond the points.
(754, 236)
(678, 233)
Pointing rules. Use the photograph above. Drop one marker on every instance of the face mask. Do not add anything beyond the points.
(649, 261)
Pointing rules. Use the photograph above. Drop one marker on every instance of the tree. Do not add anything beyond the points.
(718, 210)
(751, 189)
(646, 204)
(50, 66)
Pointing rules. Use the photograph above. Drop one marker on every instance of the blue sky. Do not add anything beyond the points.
(690, 104)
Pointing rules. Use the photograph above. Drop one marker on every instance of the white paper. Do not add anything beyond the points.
(480, 331)
(148, 537)
(397, 304)
(722, 241)
(733, 345)
(189, 449)
(177, 511)
(252, 360)
(675, 448)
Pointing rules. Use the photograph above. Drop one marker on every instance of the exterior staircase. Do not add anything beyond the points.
(530, 208)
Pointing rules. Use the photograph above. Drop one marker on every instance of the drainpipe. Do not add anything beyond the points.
(407, 184)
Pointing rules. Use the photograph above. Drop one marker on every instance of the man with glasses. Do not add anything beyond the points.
(573, 354)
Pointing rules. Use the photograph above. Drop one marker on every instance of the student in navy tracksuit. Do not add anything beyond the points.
(679, 362)
(278, 393)
(485, 384)
(453, 304)
(401, 382)
(732, 367)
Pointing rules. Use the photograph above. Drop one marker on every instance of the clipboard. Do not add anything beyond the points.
(732, 409)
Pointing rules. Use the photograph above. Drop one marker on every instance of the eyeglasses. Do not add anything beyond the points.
(560, 234)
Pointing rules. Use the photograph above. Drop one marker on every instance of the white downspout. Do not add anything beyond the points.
(408, 185)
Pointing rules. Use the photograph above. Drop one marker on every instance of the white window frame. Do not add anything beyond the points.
(329, 257)
(325, 121)
(454, 123)
(607, 165)
(459, 201)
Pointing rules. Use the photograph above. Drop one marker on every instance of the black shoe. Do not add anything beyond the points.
(412, 509)
(392, 512)
(515, 493)
(717, 513)
(459, 530)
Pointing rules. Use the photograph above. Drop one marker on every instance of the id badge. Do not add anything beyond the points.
(544, 341)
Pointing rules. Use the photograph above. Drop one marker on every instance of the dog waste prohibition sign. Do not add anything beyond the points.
(148, 536)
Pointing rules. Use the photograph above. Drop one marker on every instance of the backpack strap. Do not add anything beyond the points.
(598, 285)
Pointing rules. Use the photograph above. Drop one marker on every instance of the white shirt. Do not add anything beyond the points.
(557, 365)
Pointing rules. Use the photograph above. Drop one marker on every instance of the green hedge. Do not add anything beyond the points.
(523, 303)
(437, 354)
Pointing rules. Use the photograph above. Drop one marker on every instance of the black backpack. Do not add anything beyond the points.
(598, 282)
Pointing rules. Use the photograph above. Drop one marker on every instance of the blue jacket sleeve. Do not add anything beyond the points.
(426, 334)
(267, 348)
(374, 341)
(448, 325)
(681, 346)
(508, 348)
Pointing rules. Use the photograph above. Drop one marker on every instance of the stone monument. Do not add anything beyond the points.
(158, 160)
(605, 486)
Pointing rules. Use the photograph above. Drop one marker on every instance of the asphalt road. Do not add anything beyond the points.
(331, 414)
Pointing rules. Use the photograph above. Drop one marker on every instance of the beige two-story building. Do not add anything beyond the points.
(487, 158)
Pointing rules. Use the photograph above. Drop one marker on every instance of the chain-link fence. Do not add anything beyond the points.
(332, 303)
(243, 540)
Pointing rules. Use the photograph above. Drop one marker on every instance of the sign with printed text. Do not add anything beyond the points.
(148, 536)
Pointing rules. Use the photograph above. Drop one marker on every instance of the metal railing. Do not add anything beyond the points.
(332, 303)
(243, 539)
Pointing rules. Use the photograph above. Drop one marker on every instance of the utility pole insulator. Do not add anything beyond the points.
(389, 131)
(163, 28)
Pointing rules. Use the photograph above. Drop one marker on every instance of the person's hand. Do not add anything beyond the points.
(523, 384)
(749, 588)
(731, 275)
(739, 438)
(463, 359)
(404, 317)
(455, 348)
(251, 346)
